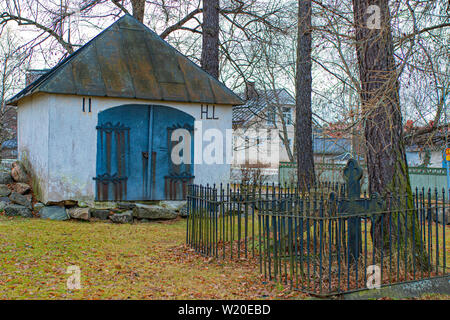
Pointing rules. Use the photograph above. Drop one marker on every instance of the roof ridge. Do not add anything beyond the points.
(179, 78)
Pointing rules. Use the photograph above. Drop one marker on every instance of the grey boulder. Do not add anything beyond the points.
(101, 214)
(440, 217)
(54, 213)
(124, 217)
(4, 190)
(153, 212)
(3, 204)
(63, 203)
(20, 199)
(173, 205)
(183, 212)
(18, 172)
(79, 213)
(22, 188)
(126, 205)
(15, 210)
(5, 199)
(5, 178)
(38, 206)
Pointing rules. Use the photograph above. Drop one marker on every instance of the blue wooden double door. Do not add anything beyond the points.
(136, 157)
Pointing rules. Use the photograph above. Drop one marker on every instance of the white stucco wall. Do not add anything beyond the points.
(68, 156)
(32, 136)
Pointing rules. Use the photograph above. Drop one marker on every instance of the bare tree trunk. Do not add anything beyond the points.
(138, 9)
(385, 151)
(210, 44)
(303, 86)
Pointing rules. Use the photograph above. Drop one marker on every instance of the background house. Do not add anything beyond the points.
(427, 157)
(425, 145)
(275, 109)
(264, 111)
(8, 119)
(330, 149)
(98, 125)
(9, 149)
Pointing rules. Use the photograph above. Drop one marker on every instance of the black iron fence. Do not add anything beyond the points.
(326, 241)
(224, 220)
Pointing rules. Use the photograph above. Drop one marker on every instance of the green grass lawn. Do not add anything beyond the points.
(129, 261)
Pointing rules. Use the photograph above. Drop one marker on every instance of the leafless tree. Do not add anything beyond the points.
(258, 41)
(13, 63)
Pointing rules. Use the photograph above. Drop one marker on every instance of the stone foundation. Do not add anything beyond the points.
(17, 199)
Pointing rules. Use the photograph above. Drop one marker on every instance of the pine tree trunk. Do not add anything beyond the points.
(385, 151)
(210, 43)
(138, 9)
(303, 86)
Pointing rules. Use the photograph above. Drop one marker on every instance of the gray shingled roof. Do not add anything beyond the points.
(255, 106)
(328, 145)
(129, 60)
